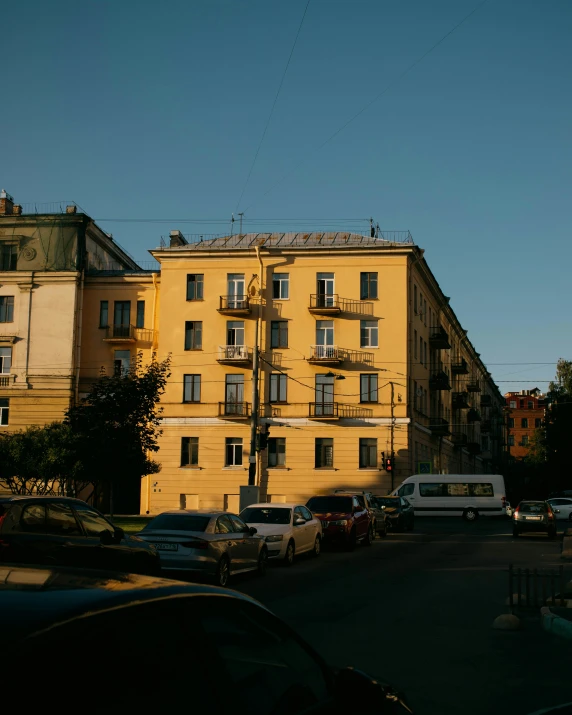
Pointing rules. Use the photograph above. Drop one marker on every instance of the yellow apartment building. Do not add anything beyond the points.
(45, 253)
(365, 375)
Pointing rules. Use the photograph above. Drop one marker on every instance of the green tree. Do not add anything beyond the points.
(117, 427)
(41, 460)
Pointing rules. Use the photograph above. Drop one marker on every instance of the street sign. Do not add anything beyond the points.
(424, 468)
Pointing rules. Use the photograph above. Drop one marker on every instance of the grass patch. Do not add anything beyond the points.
(130, 524)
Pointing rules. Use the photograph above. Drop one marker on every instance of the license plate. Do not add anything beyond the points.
(166, 547)
(533, 518)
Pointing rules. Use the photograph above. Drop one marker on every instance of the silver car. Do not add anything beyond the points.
(213, 543)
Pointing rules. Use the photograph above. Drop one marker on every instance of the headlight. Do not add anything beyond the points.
(275, 537)
(341, 522)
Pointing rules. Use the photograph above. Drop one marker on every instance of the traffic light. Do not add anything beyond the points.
(262, 440)
(388, 463)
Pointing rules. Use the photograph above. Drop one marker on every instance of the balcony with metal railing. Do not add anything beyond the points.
(459, 437)
(234, 305)
(459, 366)
(234, 355)
(234, 410)
(486, 401)
(120, 334)
(439, 380)
(325, 304)
(473, 386)
(439, 426)
(325, 355)
(439, 338)
(461, 401)
(324, 410)
(473, 415)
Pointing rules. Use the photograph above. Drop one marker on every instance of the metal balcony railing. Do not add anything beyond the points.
(459, 366)
(459, 439)
(234, 409)
(486, 401)
(240, 303)
(473, 386)
(473, 415)
(439, 338)
(325, 352)
(120, 332)
(328, 303)
(233, 353)
(461, 400)
(439, 380)
(439, 426)
(323, 409)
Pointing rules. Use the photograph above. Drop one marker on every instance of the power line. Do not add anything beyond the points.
(273, 106)
(377, 97)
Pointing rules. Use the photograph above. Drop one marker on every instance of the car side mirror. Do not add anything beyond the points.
(375, 697)
(119, 534)
(106, 537)
(298, 521)
(252, 530)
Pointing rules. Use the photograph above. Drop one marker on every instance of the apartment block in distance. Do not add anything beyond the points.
(362, 359)
(525, 414)
(46, 251)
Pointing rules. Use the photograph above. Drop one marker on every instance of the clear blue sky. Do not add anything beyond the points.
(154, 110)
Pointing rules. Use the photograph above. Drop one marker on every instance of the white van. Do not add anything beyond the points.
(466, 495)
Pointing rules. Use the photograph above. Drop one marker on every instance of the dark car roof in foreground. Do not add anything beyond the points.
(17, 497)
(34, 597)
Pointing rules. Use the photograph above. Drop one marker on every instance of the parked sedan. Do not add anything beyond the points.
(61, 531)
(379, 519)
(534, 516)
(562, 507)
(216, 544)
(399, 512)
(194, 646)
(288, 529)
(344, 519)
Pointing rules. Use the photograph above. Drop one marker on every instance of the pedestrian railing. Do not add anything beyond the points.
(533, 588)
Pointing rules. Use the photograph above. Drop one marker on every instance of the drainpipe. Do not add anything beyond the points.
(79, 331)
(154, 317)
(253, 464)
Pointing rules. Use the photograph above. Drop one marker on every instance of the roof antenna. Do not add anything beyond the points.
(241, 214)
(371, 228)
(231, 224)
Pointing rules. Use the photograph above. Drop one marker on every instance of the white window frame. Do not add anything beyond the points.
(234, 444)
(369, 334)
(4, 412)
(280, 286)
(5, 360)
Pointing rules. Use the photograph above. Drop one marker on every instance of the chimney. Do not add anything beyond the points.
(177, 239)
(71, 209)
(17, 210)
(6, 203)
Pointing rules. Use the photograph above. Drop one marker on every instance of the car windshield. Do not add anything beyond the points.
(178, 522)
(385, 501)
(260, 515)
(533, 508)
(322, 505)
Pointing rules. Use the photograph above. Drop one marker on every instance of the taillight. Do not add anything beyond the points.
(550, 515)
(198, 544)
(516, 512)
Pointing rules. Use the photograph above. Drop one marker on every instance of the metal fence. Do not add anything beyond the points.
(532, 588)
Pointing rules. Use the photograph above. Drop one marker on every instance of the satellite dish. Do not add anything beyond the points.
(253, 291)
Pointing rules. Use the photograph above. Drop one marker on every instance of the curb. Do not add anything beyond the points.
(567, 546)
(555, 624)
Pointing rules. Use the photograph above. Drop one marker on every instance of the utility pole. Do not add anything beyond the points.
(392, 430)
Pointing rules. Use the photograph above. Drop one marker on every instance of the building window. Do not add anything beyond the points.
(415, 344)
(236, 298)
(524, 440)
(276, 451)
(415, 300)
(530, 405)
(415, 394)
(235, 332)
(368, 286)
(324, 456)
(121, 318)
(521, 405)
(538, 422)
(368, 333)
(5, 360)
(280, 286)
(524, 422)
(189, 451)
(278, 388)
(234, 394)
(279, 334)
(325, 290)
(103, 313)
(512, 404)
(193, 335)
(511, 440)
(8, 257)
(6, 309)
(121, 362)
(4, 410)
(511, 422)
(367, 452)
(421, 360)
(140, 314)
(191, 388)
(485, 443)
(368, 388)
(233, 451)
(195, 283)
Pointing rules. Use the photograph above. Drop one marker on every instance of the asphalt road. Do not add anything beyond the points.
(416, 610)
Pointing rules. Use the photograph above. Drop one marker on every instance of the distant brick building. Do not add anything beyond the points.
(525, 414)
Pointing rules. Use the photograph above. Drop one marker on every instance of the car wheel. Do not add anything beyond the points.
(317, 546)
(222, 572)
(470, 514)
(263, 563)
(289, 556)
(351, 541)
(515, 533)
(368, 541)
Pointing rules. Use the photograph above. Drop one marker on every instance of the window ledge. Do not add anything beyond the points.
(190, 467)
(282, 469)
(325, 469)
(235, 468)
(369, 469)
